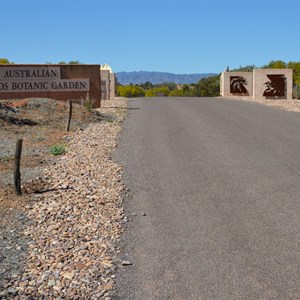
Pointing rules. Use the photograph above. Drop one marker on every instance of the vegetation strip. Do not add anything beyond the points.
(205, 87)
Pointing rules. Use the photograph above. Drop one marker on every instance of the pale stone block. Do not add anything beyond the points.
(105, 84)
(112, 87)
(273, 84)
(237, 84)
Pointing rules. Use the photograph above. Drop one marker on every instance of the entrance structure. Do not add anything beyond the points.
(108, 82)
(59, 82)
(259, 84)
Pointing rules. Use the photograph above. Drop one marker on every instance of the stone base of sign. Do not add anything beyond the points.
(259, 84)
(68, 73)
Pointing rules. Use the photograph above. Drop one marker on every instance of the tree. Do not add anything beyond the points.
(162, 91)
(248, 68)
(4, 61)
(158, 92)
(296, 71)
(296, 77)
(71, 62)
(147, 85)
(170, 85)
(149, 93)
(208, 87)
(186, 89)
(177, 93)
(74, 62)
(275, 64)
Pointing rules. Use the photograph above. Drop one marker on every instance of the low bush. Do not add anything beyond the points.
(58, 149)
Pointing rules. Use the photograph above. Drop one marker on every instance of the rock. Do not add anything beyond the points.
(57, 288)
(12, 291)
(68, 275)
(107, 287)
(3, 293)
(126, 263)
(51, 282)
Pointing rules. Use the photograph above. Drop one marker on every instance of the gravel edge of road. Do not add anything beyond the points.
(73, 227)
(287, 105)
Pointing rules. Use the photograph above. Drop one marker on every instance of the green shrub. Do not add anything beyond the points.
(149, 93)
(6, 159)
(158, 92)
(58, 149)
(130, 91)
(176, 93)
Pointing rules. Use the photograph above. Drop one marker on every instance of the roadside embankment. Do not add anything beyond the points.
(74, 218)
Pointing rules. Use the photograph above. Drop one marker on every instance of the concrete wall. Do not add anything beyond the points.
(108, 84)
(237, 84)
(88, 72)
(259, 84)
(273, 83)
(112, 86)
(105, 84)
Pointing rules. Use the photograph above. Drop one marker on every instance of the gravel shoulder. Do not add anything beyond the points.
(288, 105)
(58, 240)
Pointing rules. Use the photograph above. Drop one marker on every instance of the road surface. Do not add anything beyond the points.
(215, 207)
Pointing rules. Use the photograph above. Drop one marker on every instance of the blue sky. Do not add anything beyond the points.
(178, 36)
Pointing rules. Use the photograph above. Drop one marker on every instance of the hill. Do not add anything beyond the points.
(158, 77)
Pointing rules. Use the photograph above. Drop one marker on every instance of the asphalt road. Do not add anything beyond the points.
(215, 212)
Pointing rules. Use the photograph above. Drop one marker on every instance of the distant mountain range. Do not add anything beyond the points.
(158, 77)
